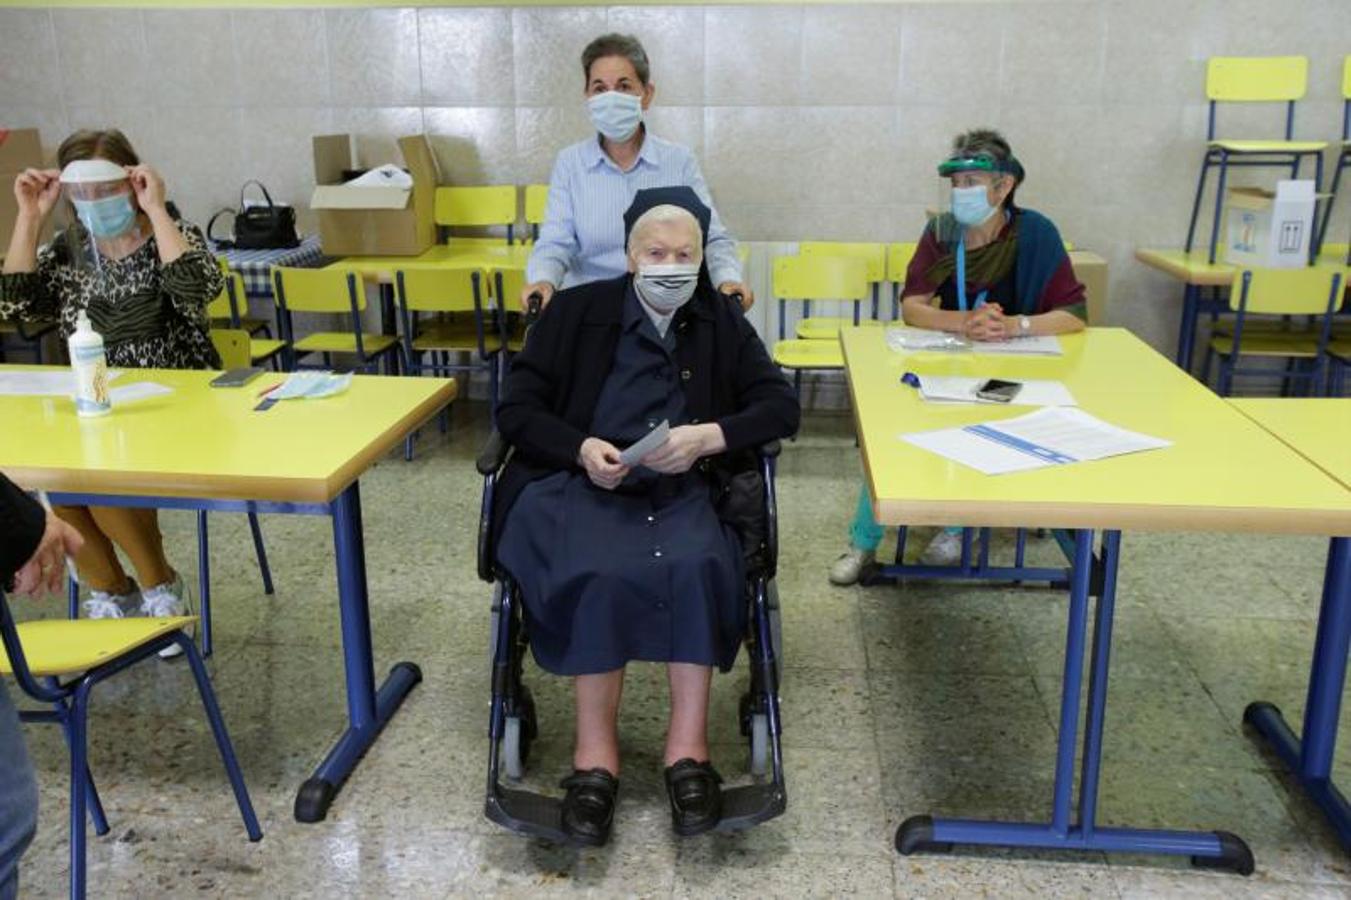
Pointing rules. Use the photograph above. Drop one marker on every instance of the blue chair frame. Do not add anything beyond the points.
(69, 703)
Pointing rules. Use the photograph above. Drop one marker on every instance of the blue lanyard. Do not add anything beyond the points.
(961, 276)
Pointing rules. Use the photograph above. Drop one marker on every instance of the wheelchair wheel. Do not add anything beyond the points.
(759, 745)
(519, 731)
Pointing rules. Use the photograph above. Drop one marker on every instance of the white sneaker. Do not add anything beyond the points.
(166, 600)
(845, 570)
(944, 550)
(103, 605)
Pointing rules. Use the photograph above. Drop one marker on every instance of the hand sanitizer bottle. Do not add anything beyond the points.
(91, 370)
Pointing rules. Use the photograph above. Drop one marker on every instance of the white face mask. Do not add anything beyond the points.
(666, 288)
(615, 114)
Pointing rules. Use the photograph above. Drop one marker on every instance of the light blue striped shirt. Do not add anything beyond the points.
(582, 237)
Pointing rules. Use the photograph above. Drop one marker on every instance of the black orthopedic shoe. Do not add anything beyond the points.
(696, 799)
(589, 807)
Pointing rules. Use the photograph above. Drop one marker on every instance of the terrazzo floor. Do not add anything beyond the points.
(897, 701)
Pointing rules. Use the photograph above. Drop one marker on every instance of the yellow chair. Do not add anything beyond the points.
(224, 313)
(507, 283)
(1310, 291)
(805, 279)
(476, 207)
(460, 323)
(898, 263)
(1253, 79)
(1344, 158)
(874, 256)
(58, 662)
(333, 291)
(536, 206)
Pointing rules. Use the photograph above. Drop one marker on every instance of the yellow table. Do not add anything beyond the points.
(1320, 431)
(441, 256)
(1222, 473)
(207, 448)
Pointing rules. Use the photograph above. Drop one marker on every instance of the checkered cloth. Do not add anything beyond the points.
(253, 265)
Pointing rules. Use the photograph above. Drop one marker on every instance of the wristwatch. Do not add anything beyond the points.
(1024, 326)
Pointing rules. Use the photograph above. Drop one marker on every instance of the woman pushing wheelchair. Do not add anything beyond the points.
(618, 563)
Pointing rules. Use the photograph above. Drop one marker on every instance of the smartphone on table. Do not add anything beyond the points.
(998, 391)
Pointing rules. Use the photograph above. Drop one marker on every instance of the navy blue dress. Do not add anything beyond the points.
(644, 572)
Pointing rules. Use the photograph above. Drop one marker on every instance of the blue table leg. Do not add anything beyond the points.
(1210, 849)
(368, 709)
(1186, 334)
(1311, 758)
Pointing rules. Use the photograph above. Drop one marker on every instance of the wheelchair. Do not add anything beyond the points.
(513, 721)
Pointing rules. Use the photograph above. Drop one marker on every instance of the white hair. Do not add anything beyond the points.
(667, 213)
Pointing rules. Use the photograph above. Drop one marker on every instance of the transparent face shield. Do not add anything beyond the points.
(104, 218)
(972, 188)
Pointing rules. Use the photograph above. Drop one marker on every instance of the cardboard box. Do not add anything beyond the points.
(1267, 229)
(374, 221)
(19, 149)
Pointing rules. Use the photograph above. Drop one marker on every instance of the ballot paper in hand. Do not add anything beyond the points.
(654, 439)
(1053, 436)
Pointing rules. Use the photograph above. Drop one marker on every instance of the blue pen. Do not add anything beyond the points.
(911, 379)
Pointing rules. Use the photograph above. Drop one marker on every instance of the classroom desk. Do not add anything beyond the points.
(1319, 430)
(200, 448)
(1222, 473)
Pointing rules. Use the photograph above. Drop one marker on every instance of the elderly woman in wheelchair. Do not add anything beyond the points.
(605, 560)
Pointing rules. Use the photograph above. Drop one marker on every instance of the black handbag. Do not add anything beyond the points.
(271, 227)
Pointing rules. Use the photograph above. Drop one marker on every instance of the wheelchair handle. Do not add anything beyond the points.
(770, 449)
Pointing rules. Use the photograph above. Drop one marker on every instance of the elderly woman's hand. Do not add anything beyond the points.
(36, 191)
(149, 187)
(683, 447)
(601, 461)
(986, 324)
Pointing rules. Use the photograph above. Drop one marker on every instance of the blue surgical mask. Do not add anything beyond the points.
(109, 217)
(615, 114)
(971, 205)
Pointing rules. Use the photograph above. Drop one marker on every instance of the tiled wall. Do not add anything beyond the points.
(812, 121)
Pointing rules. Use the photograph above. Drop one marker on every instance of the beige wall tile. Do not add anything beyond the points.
(466, 56)
(199, 152)
(1053, 54)
(373, 56)
(102, 56)
(547, 46)
(950, 53)
(851, 56)
(681, 124)
(191, 55)
(474, 145)
(282, 56)
(673, 37)
(753, 55)
(28, 49)
(541, 132)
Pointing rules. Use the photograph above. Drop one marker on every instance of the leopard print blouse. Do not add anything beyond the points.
(151, 315)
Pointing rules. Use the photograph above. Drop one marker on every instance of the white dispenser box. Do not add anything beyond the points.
(1267, 229)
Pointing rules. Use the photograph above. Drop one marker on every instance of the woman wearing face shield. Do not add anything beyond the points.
(987, 270)
(593, 182)
(618, 563)
(143, 278)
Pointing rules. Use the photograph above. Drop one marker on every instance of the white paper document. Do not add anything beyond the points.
(962, 389)
(138, 391)
(654, 439)
(1048, 437)
(920, 339)
(43, 383)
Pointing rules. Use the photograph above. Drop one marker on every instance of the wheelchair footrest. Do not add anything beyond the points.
(525, 813)
(749, 805)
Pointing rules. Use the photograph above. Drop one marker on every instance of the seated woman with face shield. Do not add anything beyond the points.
(988, 270)
(621, 563)
(142, 277)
